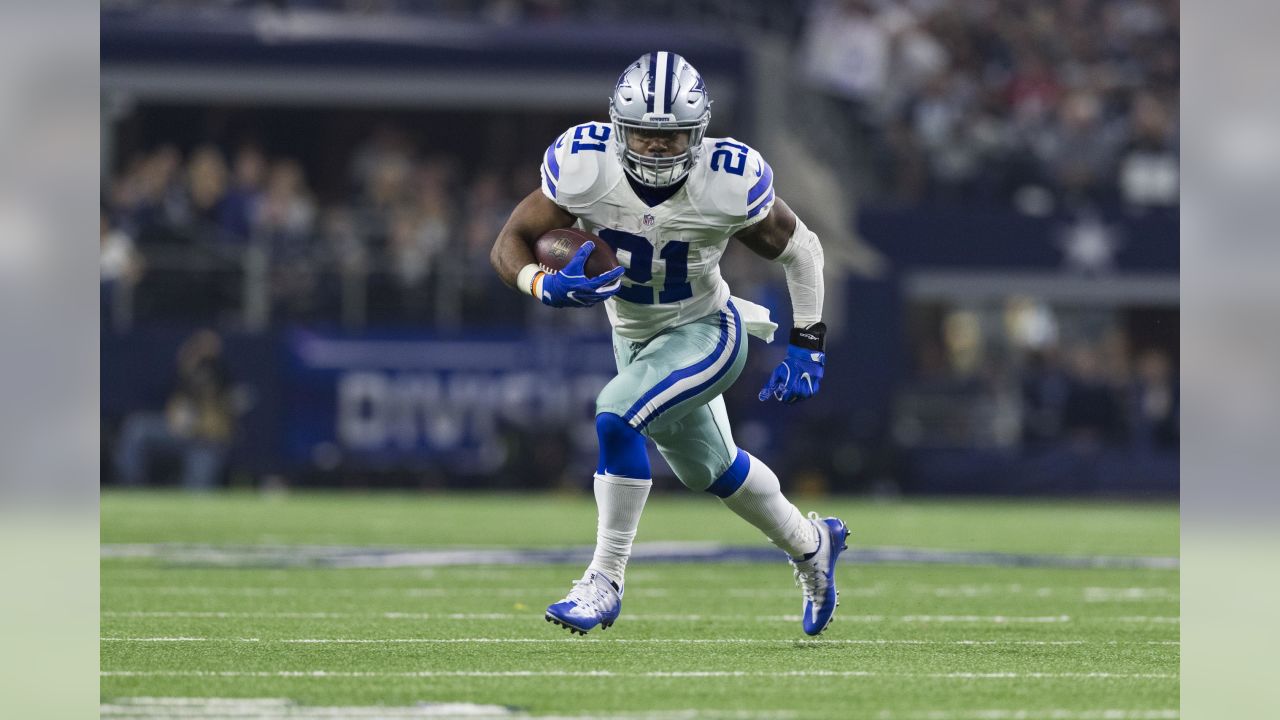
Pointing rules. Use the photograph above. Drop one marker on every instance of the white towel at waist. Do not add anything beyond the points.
(755, 318)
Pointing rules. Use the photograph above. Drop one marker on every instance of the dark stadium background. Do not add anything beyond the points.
(318, 184)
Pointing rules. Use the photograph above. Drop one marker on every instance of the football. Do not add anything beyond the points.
(555, 249)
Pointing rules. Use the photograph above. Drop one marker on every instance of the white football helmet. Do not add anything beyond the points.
(659, 92)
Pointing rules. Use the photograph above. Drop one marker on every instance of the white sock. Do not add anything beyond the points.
(760, 502)
(619, 502)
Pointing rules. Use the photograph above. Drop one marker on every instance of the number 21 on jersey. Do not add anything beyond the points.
(674, 256)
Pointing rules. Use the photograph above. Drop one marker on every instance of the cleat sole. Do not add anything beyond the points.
(559, 623)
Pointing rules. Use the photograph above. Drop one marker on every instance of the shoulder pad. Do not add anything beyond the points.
(739, 183)
(574, 166)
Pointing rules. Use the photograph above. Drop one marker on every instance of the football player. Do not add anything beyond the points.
(668, 199)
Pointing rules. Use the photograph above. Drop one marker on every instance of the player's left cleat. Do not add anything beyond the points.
(594, 600)
(816, 574)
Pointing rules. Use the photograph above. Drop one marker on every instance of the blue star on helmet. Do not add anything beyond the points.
(622, 79)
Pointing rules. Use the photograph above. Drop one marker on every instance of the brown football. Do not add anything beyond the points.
(555, 249)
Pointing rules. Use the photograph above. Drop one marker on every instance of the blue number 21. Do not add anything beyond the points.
(600, 133)
(733, 164)
(675, 255)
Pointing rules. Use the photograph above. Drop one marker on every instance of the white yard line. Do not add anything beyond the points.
(637, 641)
(272, 708)
(654, 674)
(1110, 714)
(268, 708)
(1130, 594)
(654, 617)
(1089, 594)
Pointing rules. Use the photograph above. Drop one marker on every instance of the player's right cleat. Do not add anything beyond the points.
(816, 574)
(594, 600)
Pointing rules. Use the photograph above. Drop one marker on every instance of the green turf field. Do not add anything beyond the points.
(244, 601)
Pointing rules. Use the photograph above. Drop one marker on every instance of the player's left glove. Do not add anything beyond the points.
(799, 374)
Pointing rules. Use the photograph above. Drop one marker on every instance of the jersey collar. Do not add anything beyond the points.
(654, 197)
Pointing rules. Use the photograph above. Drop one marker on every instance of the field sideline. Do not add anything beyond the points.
(348, 605)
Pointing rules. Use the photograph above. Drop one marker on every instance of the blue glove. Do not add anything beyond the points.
(799, 374)
(572, 288)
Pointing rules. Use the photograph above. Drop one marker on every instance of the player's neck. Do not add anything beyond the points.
(655, 196)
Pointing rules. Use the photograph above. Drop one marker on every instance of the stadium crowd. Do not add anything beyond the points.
(403, 215)
(1006, 100)
(1034, 102)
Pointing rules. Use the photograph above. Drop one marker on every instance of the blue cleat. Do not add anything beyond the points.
(594, 600)
(816, 574)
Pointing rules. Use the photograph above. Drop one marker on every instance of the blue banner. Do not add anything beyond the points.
(395, 402)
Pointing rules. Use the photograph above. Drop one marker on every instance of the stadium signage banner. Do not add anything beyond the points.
(399, 401)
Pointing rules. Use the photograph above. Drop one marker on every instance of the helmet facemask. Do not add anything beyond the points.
(669, 168)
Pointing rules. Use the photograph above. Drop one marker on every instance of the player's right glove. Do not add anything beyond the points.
(572, 288)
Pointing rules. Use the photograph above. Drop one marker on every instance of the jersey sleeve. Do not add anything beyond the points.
(740, 183)
(573, 166)
(760, 194)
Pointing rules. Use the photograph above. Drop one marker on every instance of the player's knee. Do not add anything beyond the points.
(622, 448)
(614, 398)
(733, 477)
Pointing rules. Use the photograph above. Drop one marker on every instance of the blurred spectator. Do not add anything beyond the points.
(341, 241)
(285, 212)
(285, 220)
(1045, 388)
(486, 210)
(1033, 91)
(206, 188)
(196, 426)
(1154, 398)
(387, 146)
(846, 51)
(1091, 414)
(147, 189)
(1078, 148)
(240, 208)
(120, 267)
(385, 189)
(1148, 173)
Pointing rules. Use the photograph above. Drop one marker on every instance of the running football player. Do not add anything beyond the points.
(668, 199)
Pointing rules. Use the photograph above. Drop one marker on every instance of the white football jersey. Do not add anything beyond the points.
(671, 251)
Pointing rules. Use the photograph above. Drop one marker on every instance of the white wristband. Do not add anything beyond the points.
(529, 280)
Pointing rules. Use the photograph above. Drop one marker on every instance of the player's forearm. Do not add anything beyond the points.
(513, 250)
(511, 253)
(802, 260)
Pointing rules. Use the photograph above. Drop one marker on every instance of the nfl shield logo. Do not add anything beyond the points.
(648, 220)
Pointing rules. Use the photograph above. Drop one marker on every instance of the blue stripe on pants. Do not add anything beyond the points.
(724, 349)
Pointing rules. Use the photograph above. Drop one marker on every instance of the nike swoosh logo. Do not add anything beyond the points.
(759, 168)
